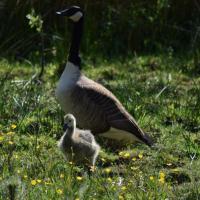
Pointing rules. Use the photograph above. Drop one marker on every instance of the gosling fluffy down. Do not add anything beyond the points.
(78, 146)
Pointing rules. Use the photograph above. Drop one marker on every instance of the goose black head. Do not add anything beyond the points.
(74, 13)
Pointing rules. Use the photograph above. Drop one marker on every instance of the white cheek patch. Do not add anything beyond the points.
(76, 17)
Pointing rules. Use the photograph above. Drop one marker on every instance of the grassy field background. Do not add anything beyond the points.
(161, 91)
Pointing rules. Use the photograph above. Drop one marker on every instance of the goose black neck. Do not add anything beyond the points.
(75, 43)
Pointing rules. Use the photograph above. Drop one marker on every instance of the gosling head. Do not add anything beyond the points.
(69, 121)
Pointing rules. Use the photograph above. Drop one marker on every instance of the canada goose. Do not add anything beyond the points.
(94, 107)
(78, 145)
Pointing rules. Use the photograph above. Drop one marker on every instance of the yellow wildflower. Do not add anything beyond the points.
(175, 170)
(151, 178)
(10, 142)
(25, 176)
(121, 197)
(161, 180)
(169, 187)
(59, 191)
(13, 126)
(109, 179)
(62, 175)
(18, 171)
(47, 183)
(134, 168)
(10, 133)
(107, 170)
(162, 175)
(140, 155)
(121, 153)
(79, 178)
(33, 182)
(39, 181)
(126, 155)
(71, 163)
(134, 159)
(124, 188)
(1, 138)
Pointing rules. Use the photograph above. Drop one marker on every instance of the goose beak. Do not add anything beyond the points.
(63, 12)
(69, 11)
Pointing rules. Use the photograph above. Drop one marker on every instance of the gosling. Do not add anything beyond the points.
(78, 146)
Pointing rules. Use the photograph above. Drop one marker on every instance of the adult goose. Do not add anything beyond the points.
(94, 107)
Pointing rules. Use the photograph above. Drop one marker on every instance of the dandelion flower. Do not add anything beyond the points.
(107, 170)
(47, 183)
(134, 168)
(162, 175)
(62, 175)
(10, 142)
(39, 181)
(151, 178)
(13, 126)
(10, 133)
(79, 178)
(109, 179)
(169, 187)
(126, 155)
(140, 155)
(161, 180)
(175, 170)
(1, 138)
(59, 191)
(123, 188)
(134, 159)
(33, 182)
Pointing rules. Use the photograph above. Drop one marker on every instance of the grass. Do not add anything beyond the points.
(162, 92)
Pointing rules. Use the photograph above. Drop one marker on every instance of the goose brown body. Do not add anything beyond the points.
(94, 107)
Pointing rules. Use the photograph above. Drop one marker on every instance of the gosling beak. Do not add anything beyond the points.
(65, 127)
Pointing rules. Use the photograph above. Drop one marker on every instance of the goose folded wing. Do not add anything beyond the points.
(115, 113)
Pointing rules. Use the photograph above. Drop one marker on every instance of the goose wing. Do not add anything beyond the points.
(86, 135)
(115, 114)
